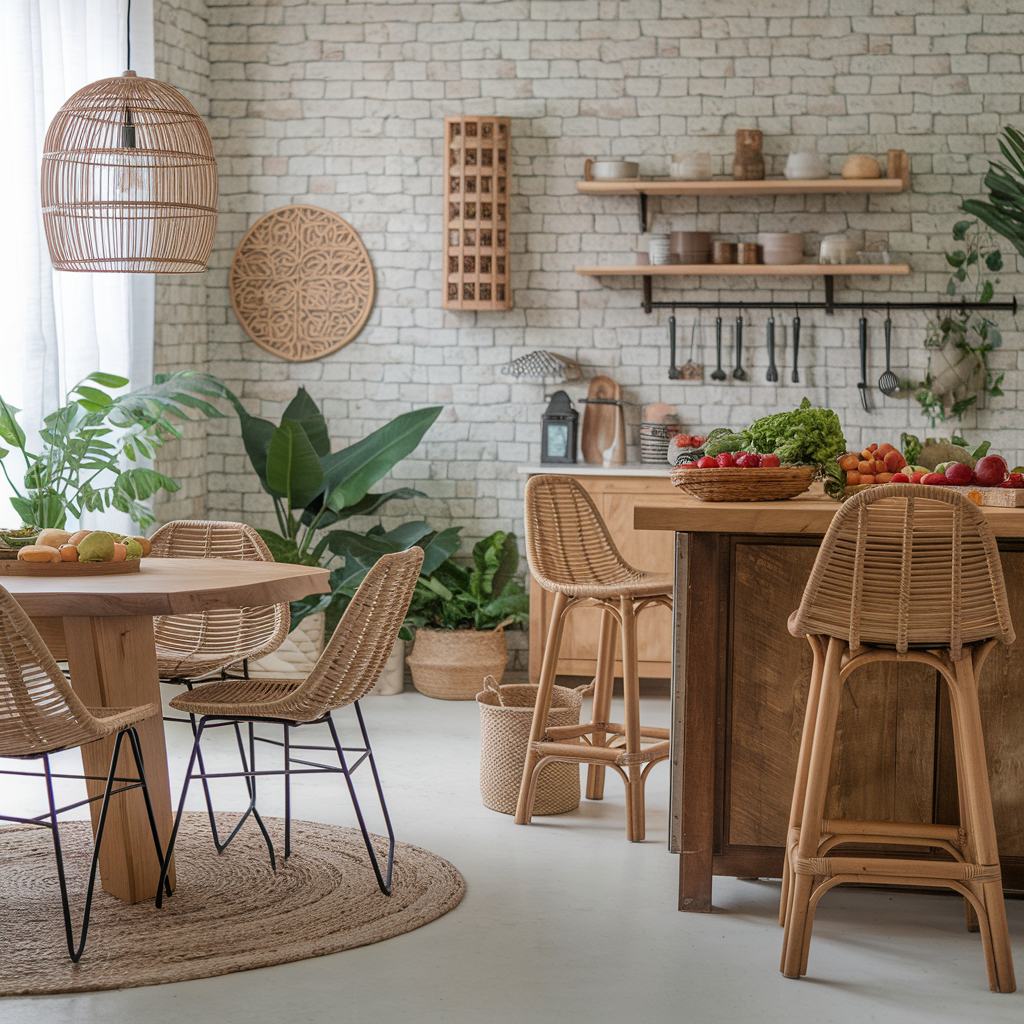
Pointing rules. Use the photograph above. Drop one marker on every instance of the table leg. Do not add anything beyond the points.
(112, 660)
(697, 611)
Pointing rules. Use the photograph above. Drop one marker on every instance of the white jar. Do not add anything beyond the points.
(840, 249)
(690, 166)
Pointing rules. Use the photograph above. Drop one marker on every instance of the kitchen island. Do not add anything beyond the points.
(739, 690)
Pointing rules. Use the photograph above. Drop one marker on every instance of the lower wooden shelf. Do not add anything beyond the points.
(750, 270)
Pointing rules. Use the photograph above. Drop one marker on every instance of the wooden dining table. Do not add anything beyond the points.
(103, 627)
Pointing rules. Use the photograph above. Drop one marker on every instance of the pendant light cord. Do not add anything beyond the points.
(128, 33)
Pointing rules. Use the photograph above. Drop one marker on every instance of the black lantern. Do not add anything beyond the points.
(559, 429)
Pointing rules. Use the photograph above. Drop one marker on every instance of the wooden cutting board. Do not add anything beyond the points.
(603, 436)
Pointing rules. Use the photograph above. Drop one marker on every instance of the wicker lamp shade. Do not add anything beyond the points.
(129, 180)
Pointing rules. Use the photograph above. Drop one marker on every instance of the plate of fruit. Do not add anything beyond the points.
(85, 553)
(741, 476)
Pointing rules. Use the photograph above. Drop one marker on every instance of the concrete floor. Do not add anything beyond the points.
(565, 920)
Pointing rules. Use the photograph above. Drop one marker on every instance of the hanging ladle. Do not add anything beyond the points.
(888, 383)
(718, 373)
(739, 373)
(862, 384)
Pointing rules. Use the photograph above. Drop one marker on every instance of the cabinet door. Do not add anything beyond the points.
(882, 766)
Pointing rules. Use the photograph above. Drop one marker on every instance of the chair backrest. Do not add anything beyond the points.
(204, 641)
(907, 566)
(39, 712)
(361, 644)
(567, 542)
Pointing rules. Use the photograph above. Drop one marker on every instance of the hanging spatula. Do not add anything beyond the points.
(888, 383)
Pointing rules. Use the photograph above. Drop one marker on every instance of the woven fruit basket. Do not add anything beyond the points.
(730, 483)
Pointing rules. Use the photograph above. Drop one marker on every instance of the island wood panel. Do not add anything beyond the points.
(616, 498)
(882, 764)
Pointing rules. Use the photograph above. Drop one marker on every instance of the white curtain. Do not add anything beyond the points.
(59, 327)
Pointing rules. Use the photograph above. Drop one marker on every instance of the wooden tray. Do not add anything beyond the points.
(1001, 497)
(16, 568)
(730, 483)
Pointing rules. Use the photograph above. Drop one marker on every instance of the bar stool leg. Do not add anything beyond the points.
(604, 680)
(802, 764)
(797, 931)
(549, 665)
(965, 708)
(635, 825)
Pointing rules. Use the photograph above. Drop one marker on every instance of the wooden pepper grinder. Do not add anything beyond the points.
(748, 163)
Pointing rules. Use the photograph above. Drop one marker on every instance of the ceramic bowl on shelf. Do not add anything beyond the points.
(690, 167)
(804, 166)
(611, 170)
(840, 249)
(861, 167)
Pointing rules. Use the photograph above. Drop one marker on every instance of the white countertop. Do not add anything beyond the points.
(589, 469)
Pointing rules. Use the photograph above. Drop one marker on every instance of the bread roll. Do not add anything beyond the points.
(38, 553)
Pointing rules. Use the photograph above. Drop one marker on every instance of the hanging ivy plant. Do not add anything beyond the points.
(960, 340)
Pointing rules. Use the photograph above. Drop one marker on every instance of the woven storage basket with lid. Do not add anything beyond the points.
(506, 713)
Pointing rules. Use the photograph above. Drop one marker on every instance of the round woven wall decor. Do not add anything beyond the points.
(301, 282)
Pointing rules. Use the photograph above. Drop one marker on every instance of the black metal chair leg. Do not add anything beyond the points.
(177, 818)
(73, 952)
(287, 793)
(255, 809)
(133, 739)
(384, 884)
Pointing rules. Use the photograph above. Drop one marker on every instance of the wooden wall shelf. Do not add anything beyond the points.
(749, 270)
(728, 187)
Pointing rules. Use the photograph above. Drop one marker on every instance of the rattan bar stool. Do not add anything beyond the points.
(191, 646)
(905, 573)
(571, 554)
(41, 715)
(347, 670)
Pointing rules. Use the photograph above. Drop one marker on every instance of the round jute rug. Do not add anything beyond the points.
(229, 912)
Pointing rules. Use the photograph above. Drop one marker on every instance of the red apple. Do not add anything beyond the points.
(990, 471)
(706, 462)
(934, 478)
(959, 474)
(918, 475)
(749, 461)
(900, 478)
(725, 459)
(770, 461)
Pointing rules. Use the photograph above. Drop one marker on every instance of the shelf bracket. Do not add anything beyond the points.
(642, 210)
(647, 293)
(830, 294)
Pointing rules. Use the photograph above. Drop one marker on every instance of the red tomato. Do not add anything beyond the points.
(1014, 480)
(934, 478)
(990, 471)
(698, 441)
(769, 461)
(900, 478)
(749, 461)
(706, 462)
(682, 440)
(918, 475)
(725, 459)
(958, 473)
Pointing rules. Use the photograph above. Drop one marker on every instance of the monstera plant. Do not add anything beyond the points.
(313, 490)
(85, 445)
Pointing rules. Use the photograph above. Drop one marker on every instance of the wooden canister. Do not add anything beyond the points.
(723, 252)
(748, 163)
(747, 252)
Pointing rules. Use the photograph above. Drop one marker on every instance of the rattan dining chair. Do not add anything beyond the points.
(347, 670)
(41, 715)
(905, 573)
(572, 555)
(191, 646)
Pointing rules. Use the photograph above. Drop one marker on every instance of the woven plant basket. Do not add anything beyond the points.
(729, 483)
(506, 713)
(450, 664)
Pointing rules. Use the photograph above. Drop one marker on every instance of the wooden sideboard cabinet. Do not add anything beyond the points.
(615, 495)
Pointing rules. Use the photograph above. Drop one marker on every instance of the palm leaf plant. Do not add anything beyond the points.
(314, 489)
(1004, 214)
(87, 441)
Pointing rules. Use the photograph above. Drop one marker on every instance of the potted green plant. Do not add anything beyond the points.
(313, 490)
(959, 340)
(460, 614)
(85, 443)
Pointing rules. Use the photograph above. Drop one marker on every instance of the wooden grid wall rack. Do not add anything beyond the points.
(476, 191)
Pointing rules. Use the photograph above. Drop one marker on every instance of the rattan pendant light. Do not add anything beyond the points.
(129, 180)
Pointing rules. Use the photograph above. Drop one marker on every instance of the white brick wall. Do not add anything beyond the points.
(342, 105)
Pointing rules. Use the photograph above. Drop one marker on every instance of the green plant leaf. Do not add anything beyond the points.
(282, 548)
(350, 473)
(369, 506)
(94, 395)
(293, 468)
(960, 229)
(304, 410)
(994, 261)
(987, 292)
(955, 259)
(441, 547)
(108, 380)
(140, 483)
(10, 431)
